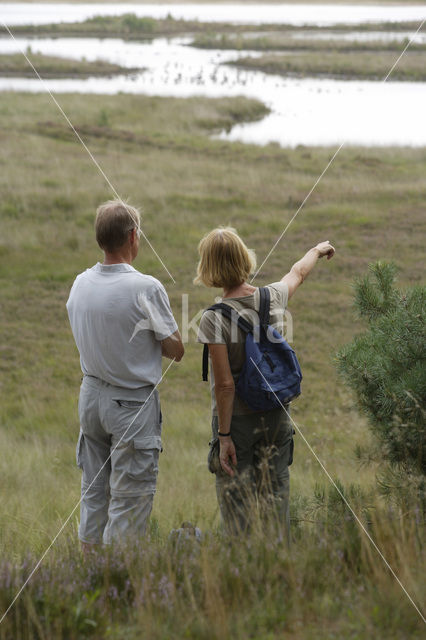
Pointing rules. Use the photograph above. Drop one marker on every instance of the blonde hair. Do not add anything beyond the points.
(114, 220)
(225, 261)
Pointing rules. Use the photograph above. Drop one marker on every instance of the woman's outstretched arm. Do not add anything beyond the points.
(302, 268)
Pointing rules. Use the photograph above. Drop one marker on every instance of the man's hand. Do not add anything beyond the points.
(227, 455)
(325, 249)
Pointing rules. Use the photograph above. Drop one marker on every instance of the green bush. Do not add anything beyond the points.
(138, 25)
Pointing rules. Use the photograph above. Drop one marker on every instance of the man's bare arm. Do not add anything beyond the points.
(172, 347)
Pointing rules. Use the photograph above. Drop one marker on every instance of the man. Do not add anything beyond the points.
(122, 325)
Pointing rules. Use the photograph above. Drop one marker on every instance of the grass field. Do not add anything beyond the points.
(54, 67)
(157, 152)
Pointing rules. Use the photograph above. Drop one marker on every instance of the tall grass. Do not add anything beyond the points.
(332, 584)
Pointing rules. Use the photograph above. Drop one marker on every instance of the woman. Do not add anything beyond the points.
(255, 447)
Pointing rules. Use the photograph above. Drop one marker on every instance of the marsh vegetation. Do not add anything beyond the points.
(370, 65)
(130, 25)
(57, 67)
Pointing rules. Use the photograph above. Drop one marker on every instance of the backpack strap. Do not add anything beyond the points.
(233, 316)
(265, 302)
(205, 363)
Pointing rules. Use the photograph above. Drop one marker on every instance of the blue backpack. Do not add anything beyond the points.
(271, 374)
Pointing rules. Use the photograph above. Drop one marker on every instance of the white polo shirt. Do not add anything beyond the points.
(118, 318)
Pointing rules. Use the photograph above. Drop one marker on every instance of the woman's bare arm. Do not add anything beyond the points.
(224, 391)
(302, 268)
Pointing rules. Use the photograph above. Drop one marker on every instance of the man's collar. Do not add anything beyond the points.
(113, 268)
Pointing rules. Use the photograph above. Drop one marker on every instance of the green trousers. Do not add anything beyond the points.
(261, 485)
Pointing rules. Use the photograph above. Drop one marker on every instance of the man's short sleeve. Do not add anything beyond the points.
(282, 290)
(156, 306)
(210, 329)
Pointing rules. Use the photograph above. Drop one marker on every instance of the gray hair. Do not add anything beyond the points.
(114, 220)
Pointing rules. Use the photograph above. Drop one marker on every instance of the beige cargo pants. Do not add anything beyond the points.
(118, 450)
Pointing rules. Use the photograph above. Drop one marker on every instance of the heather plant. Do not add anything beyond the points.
(217, 587)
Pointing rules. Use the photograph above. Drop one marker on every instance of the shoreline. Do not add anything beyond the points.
(52, 75)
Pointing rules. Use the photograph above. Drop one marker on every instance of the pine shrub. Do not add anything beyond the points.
(385, 366)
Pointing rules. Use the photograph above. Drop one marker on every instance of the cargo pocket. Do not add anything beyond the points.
(143, 467)
(79, 450)
(213, 461)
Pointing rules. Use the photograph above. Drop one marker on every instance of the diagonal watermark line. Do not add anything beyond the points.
(345, 500)
(92, 157)
(81, 498)
(299, 209)
(404, 49)
(334, 156)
